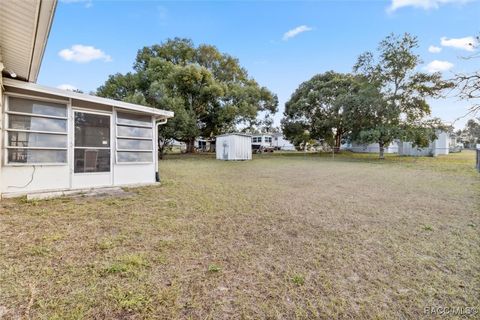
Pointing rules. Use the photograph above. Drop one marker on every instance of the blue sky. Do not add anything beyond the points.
(91, 39)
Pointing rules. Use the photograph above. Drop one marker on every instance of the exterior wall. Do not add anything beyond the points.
(133, 174)
(17, 179)
(233, 147)
(407, 149)
(283, 144)
(25, 178)
(263, 143)
(442, 144)
(204, 145)
(439, 146)
(370, 148)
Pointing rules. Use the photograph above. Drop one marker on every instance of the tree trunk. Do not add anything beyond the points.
(191, 146)
(382, 150)
(338, 142)
(162, 145)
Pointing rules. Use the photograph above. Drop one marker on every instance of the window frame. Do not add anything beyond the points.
(7, 129)
(151, 126)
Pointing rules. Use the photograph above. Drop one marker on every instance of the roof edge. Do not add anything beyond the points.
(45, 14)
(86, 97)
(234, 134)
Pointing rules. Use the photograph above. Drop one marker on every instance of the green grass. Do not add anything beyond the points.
(284, 236)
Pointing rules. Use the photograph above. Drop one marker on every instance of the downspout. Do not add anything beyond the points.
(157, 125)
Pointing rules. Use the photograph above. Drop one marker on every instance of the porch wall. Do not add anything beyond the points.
(24, 178)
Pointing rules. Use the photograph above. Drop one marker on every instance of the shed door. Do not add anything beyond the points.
(225, 149)
(92, 150)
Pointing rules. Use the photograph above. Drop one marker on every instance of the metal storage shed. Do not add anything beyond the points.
(234, 146)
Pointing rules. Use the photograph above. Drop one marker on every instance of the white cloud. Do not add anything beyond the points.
(82, 54)
(67, 87)
(466, 43)
(434, 49)
(423, 4)
(438, 66)
(295, 32)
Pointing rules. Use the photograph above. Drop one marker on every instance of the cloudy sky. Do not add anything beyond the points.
(280, 43)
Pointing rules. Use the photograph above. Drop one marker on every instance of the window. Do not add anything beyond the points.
(134, 138)
(268, 139)
(92, 143)
(36, 131)
(257, 139)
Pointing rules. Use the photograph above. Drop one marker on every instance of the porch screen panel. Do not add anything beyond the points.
(92, 143)
(36, 131)
(134, 138)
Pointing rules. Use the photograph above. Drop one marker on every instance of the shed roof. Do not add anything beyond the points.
(235, 134)
(24, 29)
(86, 97)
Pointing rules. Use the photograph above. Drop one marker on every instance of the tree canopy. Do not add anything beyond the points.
(402, 113)
(209, 91)
(329, 106)
(468, 84)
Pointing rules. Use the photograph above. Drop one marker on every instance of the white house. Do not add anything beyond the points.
(205, 145)
(263, 139)
(55, 140)
(234, 146)
(280, 143)
(369, 148)
(439, 146)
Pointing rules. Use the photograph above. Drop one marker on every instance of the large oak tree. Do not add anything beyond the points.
(328, 107)
(209, 91)
(404, 108)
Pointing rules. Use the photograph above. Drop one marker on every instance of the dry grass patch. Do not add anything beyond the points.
(283, 236)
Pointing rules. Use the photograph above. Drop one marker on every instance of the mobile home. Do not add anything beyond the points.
(281, 143)
(439, 146)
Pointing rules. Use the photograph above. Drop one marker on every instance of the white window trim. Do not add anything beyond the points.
(134, 150)
(37, 148)
(118, 123)
(6, 119)
(36, 115)
(36, 131)
(133, 125)
(133, 138)
(92, 148)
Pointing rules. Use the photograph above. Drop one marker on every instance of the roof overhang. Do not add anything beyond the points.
(32, 87)
(24, 30)
(234, 134)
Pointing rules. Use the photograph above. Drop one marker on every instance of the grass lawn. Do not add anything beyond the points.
(283, 236)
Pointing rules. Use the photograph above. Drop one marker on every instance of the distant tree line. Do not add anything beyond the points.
(469, 136)
(383, 99)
